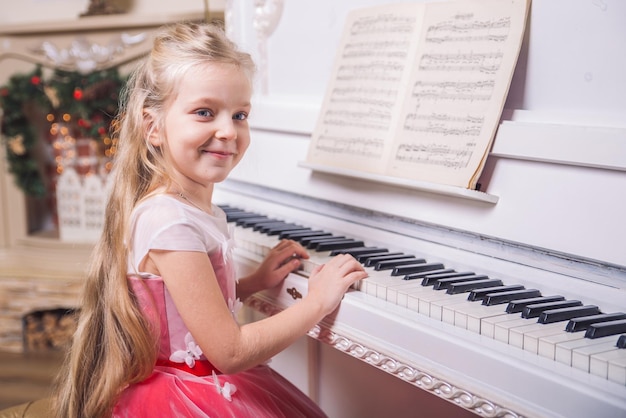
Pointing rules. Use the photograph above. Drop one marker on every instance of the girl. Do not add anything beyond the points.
(157, 334)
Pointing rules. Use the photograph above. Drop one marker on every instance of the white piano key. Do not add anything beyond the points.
(563, 351)
(375, 283)
(379, 281)
(617, 369)
(580, 356)
(448, 312)
(400, 293)
(516, 335)
(599, 363)
(547, 344)
(419, 297)
(531, 338)
(488, 325)
(437, 306)
(425, 299)
(470, 317)
(501, 329)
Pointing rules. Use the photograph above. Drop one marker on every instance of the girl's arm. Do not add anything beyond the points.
(231, 348)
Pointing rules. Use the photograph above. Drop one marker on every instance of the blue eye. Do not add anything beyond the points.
(240, 116)
(205, 113)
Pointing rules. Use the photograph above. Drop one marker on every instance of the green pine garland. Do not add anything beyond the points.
(30, 102)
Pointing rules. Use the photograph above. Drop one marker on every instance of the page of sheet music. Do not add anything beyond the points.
(418, 89)
(363, 100)
(464, 65)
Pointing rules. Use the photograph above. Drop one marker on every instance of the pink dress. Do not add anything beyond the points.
(184, 383)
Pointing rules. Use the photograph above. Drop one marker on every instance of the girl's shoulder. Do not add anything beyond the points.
(167, 205)
(166, 216)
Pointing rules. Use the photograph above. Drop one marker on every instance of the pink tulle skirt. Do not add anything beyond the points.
(258, 392)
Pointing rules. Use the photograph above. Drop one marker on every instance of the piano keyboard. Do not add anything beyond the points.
(570, 332)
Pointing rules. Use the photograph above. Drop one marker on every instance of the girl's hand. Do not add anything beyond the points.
(329, 282)
(279, 262)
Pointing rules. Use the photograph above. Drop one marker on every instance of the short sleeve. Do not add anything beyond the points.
(162, 223)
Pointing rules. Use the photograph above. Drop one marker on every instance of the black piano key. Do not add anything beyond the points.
(288, 231)
(534, 310)
(357, 251)
(423, 274)
(363, 259)
(505, 297)
(255, 223)
(445, 283)
(564, 314)
(262, 226)
(319, 238)
(516, 306)
(298, 236)
(416, 268)
(621, 341)
(313, 243)
(228, 208)
(277, 230)
(456, 288)
(246, 222)
(235, 216)
(333, 245)
(606, 329)
(479, 294)
(390, 264)
(582, 323)
(372, 261)
(429, 280)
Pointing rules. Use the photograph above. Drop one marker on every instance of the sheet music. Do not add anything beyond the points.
(363, 101)
(463, 69)
(418, 89)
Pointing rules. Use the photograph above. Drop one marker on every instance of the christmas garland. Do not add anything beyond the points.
(30, 104)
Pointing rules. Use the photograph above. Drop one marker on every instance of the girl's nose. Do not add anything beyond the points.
(226, 129)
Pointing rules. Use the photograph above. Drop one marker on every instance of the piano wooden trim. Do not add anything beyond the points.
(388, 363)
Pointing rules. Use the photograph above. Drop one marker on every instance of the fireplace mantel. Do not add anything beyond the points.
(98, 23)
(37, 270)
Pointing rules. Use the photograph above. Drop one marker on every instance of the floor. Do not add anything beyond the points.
(26, 377)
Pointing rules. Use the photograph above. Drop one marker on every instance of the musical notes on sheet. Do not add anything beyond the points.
(463, 28)
(382, 23)
(444, 124)
(453, 90)
(488, 62)
(434, 154)
(365, 147)
(417, 89)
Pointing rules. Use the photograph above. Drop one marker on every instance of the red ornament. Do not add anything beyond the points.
(82, 123)
(78, 94)
(102, 130)
(35, 80)
(4, 92)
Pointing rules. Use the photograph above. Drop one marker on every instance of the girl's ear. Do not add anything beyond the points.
(151, 128)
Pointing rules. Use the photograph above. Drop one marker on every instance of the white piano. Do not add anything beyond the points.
(550, 217)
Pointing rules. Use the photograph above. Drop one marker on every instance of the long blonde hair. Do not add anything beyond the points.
(114, 345)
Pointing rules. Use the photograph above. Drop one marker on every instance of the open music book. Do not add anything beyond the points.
(417, 89)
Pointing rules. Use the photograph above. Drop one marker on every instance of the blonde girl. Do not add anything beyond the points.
(157, 332)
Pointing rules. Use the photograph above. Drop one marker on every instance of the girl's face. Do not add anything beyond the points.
(206, 125)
